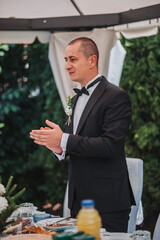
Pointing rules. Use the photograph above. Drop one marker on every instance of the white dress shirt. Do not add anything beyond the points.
(80, 105)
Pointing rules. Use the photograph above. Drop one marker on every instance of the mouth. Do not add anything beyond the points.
(71, 73)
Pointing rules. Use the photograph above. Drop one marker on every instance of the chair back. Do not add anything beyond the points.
(135, 170)
(156, 234)
(66, 210)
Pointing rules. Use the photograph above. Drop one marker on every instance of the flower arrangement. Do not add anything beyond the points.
(7, 202)
(68, 110)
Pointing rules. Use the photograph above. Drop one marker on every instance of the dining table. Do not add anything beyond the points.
(41, 226)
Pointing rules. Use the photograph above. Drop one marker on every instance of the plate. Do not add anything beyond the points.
(45, 222)
(116, 236)
(16, 227)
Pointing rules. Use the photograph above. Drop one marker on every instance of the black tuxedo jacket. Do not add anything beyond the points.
(97, 164)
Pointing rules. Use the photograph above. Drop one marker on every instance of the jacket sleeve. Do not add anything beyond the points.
(114, 127)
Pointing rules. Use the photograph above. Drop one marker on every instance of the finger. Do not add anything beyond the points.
(40, 132)
(40, 143)
(32, 135)
(45, 128)
(38, 137)
(51, 124)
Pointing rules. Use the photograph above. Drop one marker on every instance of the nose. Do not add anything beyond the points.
(68, 65)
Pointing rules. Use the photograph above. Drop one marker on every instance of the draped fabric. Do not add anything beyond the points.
(23, 37)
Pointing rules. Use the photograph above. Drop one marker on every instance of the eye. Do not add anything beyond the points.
(73, 59)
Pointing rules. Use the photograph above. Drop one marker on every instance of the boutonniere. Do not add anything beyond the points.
(68, 110)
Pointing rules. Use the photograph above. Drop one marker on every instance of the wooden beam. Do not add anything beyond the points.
(81, 23)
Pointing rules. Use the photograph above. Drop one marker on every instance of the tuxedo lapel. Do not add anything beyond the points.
(91, 102)
(74, 100)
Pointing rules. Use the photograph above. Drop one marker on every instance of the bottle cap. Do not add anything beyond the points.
(87, 203)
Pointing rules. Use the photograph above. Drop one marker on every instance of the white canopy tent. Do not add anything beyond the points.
(22, 20)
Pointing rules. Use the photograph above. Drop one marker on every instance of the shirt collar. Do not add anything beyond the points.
(98, 75)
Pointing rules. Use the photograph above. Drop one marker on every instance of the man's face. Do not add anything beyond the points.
(77, 65)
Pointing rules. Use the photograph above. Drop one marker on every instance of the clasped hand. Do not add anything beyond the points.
(48, 136)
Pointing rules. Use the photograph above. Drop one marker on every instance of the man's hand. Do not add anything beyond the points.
(49, 137)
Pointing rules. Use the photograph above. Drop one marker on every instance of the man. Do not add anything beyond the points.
(94, 139)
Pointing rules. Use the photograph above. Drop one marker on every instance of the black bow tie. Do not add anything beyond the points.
(81, 91)
(84, 90)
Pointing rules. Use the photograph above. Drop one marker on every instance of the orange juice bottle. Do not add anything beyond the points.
(88, 219)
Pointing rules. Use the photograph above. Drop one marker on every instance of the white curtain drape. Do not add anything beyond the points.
(23, 37)
(116, 60)
(110, 62)
(138, 29)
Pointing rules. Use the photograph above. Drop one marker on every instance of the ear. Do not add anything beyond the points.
(93, 61)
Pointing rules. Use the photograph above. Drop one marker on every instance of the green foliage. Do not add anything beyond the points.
(141, 79)
(11, 200)
(25, 70)
(69, 103)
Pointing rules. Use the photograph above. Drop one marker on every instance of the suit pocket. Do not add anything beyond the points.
(108, 174)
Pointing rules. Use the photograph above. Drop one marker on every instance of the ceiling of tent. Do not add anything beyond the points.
(60, 8)
(60, 15)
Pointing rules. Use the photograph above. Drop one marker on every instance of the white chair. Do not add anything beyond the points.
(135, 169)
(66, 210)
(156, 234)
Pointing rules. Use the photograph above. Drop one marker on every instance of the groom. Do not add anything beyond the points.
(94, 139)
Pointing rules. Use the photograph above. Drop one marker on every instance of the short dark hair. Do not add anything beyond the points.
(88, 47)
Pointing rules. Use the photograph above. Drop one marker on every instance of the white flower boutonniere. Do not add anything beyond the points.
(68, 110)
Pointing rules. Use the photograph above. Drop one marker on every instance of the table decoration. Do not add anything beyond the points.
(8, 202)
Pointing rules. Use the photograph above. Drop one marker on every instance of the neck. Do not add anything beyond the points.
(86, 81)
